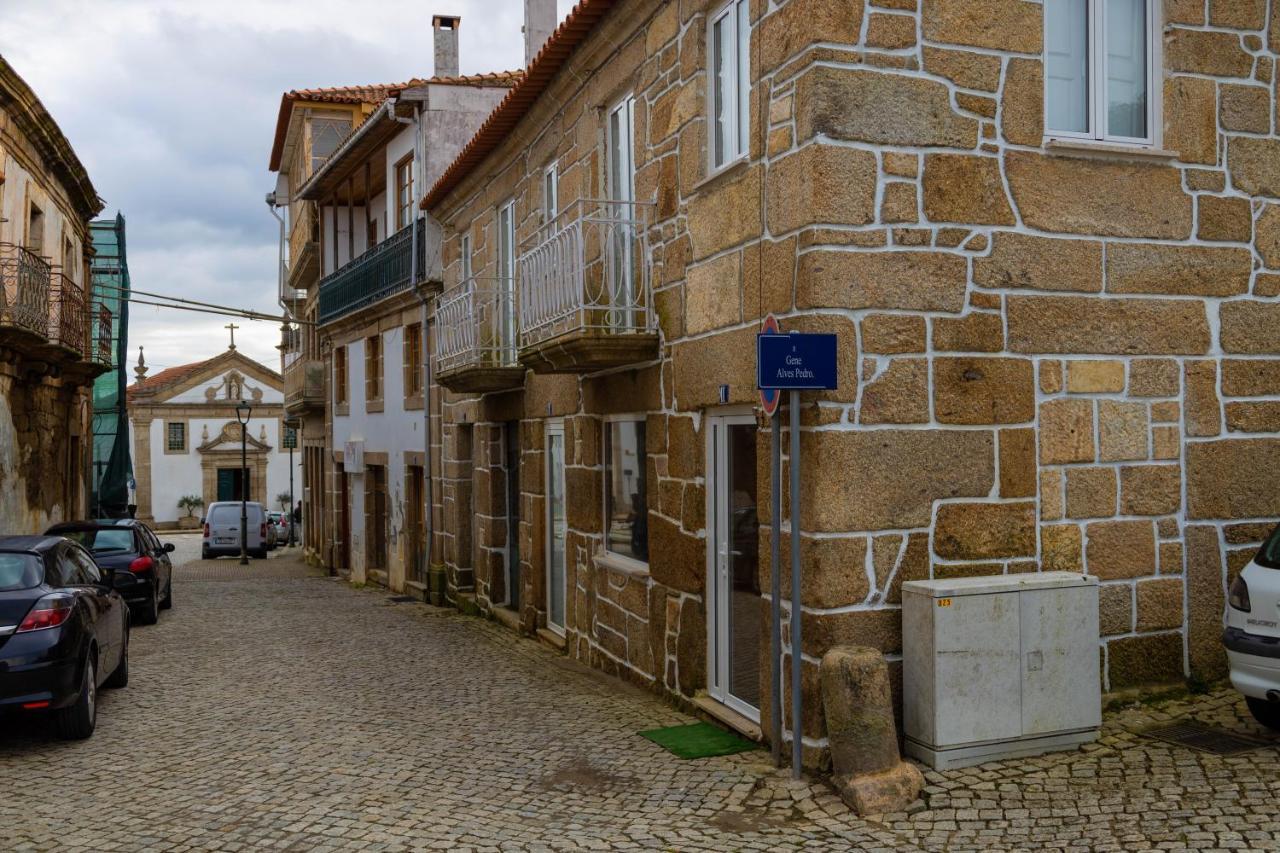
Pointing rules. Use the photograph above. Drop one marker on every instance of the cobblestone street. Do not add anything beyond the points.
(272, 709)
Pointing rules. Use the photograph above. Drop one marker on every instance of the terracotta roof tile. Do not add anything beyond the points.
(165, 379)
(373, 93)
(553, 56)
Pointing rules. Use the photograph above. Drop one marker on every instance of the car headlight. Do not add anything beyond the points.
(1238, 595)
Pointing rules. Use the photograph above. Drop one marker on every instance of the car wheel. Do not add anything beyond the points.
(204, 553)
(166, 603)
(77, 721)
(260, 554)
(1267, 713)
(149, 613)
(120, 677)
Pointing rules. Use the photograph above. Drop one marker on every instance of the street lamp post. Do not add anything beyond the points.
(243, 411)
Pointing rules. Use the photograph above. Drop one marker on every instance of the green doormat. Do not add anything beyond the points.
(699, 740)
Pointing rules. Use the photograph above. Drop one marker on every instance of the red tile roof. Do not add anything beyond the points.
(374, 93)
(573, 30)
(166, 378)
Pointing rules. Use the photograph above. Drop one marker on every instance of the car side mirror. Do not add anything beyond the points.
(168, 547)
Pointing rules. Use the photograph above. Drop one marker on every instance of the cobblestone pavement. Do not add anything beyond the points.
(272, 709)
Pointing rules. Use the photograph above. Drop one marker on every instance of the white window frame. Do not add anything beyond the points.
(507, 231)
(465, 250)
(623, 191)
(738, 105)
(613, 558)
(1097, 89)
(550, 194)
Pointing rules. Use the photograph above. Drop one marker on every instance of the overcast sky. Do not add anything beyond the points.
(171, 104)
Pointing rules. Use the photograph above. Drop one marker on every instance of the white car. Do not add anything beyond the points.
(1252, 633)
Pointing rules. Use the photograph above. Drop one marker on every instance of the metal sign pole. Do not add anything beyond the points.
(775, 565)
(797, 726)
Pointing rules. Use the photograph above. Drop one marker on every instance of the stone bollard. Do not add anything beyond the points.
(868, 771)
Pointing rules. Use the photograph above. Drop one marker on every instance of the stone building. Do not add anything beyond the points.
(1051, 268)
(52, 342)
(351, 164)
(185, 436)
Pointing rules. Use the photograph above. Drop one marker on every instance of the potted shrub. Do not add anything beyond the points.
(190, 503)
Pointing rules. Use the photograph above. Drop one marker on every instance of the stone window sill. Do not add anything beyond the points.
(373, 407)
(1090, 148)
(413, 402)
(622, 565)
(342, 408)
(723, 173)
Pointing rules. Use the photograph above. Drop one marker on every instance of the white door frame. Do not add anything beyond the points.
(554, 427)
(718, 544)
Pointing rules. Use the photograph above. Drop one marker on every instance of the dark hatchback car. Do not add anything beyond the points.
(64, 632)
(143, 571)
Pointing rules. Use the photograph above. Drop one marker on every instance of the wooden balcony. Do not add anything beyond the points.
(475, 337)
(584, 287)
(304, 248)
(303, 384)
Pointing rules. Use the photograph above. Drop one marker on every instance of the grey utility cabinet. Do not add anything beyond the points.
(996, 667)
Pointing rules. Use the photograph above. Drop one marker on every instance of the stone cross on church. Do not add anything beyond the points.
(232, 327)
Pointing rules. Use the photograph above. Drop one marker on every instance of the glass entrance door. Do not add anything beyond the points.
(556, 589)
(736, 627)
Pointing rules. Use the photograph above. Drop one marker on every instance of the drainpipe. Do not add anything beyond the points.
(271, 206)
(419, 157)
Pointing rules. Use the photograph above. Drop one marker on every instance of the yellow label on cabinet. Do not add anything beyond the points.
(944, 602)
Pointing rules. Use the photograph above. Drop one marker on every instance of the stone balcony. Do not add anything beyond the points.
(303, 384)
(475, 337)
(585, 302)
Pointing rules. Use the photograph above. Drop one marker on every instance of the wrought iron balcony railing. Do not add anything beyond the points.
(382, 271)
(24, 290)
(101, 343)
(476, 326)
(68, 315)
(587, 270)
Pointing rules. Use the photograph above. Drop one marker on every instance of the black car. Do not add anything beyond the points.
(64, 632)
(143, 571)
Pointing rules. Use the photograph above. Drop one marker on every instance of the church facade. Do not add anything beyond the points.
(186, 437)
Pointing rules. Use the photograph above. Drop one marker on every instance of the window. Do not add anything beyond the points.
(621, 179)
(326, 135)
(82, 571)
(340, 375)
(175, 437)
(1099, 69)
(373, 367)
(35, 229)
(626, 510)
(465, 250)
(68, 258)
(550, 194)
(404, 192)
(730, 90)
(372, 233)
(507, 269)
(413, 360)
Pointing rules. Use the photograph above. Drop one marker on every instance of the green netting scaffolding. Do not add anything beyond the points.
(112, 466)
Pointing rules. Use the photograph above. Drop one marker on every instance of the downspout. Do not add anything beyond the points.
(419, 157)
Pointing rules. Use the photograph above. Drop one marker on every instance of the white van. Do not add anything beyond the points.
(222, 530)
(1252, 633)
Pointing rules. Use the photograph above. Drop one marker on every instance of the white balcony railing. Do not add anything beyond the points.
(587, 270)
(476, 326)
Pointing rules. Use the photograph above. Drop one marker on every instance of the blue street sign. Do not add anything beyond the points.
(796, 361)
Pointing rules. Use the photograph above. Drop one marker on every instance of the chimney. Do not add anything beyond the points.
(540, 19)
(446, 27)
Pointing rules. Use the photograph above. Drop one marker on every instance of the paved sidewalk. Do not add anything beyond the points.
(273, 709)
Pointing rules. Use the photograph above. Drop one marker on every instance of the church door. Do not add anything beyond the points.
(229, 483)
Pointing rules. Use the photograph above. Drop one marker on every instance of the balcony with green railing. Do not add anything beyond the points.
(381, 272)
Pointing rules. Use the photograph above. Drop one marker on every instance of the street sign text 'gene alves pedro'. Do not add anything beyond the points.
(796, 361)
